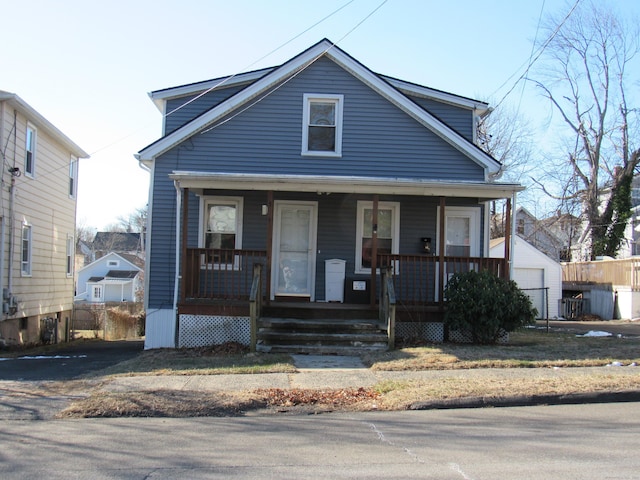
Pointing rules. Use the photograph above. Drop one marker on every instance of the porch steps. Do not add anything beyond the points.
(320, 336)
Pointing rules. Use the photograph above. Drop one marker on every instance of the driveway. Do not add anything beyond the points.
(68, 362)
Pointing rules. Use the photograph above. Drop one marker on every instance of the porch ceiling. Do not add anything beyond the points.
(344, 184)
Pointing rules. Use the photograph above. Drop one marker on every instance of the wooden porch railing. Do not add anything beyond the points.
(216, 274)
(255, 303)
(415, 277)
(387, 306)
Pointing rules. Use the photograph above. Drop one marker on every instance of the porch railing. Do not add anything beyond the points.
(217, 274)
(387, 306)
(416, 278)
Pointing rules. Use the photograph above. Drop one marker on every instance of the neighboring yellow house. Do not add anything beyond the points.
(39, 180)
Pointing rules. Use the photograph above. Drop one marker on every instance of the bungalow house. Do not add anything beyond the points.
(310, 197)
(111, 278)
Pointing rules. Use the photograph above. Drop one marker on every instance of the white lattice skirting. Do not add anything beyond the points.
(207, 330)
(431, 331)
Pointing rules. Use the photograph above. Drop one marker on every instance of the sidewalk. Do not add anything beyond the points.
(335, 372)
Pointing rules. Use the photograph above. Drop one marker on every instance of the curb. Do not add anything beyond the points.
(529, 400)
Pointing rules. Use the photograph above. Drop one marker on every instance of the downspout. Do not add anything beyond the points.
(12, 197)
(513, 234)
(177, 262)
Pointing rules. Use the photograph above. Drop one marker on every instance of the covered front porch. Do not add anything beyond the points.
(395, 271)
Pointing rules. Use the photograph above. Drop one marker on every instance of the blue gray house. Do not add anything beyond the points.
(292, 202)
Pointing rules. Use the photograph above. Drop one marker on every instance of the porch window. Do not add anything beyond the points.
(322, 125)
(388, 232)
(222, 226)
(462, 231)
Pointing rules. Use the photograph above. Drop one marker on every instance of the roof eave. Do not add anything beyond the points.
(41, 122)
(343, 184)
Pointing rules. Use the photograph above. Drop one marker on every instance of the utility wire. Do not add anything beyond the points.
(115, 142)
(531, 61)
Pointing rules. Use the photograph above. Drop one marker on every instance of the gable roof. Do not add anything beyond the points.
(288, 70)
(41, 122)
(116, 241)
(111, 255)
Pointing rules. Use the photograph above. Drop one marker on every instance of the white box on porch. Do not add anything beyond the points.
(334, 280)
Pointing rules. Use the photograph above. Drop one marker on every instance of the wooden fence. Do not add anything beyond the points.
(625, 272)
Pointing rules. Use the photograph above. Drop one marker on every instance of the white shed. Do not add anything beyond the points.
(535, 273)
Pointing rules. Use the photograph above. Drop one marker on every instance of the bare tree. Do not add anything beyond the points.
(506, 136)
(135, 222)
(586, 79)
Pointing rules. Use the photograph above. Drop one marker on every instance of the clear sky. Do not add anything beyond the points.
(88, 66)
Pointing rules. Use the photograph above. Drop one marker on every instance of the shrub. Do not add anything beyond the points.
(486, 306)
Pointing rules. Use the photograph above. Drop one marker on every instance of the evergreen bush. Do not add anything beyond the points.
(486, 306)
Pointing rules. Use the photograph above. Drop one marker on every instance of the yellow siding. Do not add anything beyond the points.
(42, 202)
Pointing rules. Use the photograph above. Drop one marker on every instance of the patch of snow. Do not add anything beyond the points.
(44, 357)
(595, 333)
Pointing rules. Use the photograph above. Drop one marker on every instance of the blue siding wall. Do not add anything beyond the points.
(195, 108)
(336, 232)
(459, 119)
(378, 140)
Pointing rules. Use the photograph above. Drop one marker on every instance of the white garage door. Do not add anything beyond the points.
(531, 280)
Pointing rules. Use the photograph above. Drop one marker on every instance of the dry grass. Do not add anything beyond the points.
(534, 350)
(526, 349)
(226, 359)
(400, 395)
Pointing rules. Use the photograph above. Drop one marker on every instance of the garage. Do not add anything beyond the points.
(535, 273)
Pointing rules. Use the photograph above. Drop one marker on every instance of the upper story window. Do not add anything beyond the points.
(73, 177)
(30, 151)
(322, 125)
(26, 251)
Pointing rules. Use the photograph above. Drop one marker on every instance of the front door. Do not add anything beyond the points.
(294, 244)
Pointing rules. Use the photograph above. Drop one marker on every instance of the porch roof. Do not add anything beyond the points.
(343, 184)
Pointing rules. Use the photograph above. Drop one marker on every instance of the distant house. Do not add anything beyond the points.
(38, 215)
(111, 278)
(297, 186)
(119, 242)
(534, 272)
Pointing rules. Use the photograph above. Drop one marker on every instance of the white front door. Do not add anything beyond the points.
(294, 244)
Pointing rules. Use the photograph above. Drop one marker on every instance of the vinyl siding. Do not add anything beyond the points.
(459, 119)
(42, 202)
(193, 108)
(336, 233)
(378, 138)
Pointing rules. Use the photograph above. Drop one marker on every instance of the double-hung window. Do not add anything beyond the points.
(70, 255)
(222, 229)
(73, 177)
(322, 125)
(26, 251)
(30, 151)
(388, 232)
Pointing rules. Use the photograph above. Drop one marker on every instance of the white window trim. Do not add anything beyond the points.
(94, 287)
(308, 98)
(237, 202)
(34, 150)
(73, 177)
(70, 257)
(395, 235)
(474, 215)
(26, 272)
